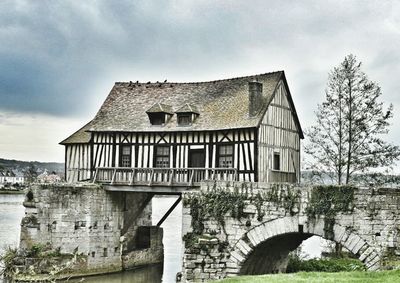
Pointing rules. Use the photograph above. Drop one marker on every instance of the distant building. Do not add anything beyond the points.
(10, 177)
(47, 177)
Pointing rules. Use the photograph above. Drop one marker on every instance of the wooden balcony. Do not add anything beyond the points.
(162, 177)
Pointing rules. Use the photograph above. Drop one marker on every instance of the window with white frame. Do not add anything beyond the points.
(161, 156)
(225, 156)
(126, 156)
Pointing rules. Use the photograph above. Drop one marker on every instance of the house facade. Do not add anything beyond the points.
(10, 177)
(243, 129)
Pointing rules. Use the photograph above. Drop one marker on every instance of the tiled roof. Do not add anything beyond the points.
(7, 173)
(222, 104)
(80, 136)
(188, 108)
(160, 108)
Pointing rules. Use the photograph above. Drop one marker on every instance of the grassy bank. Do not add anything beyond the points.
(320, 277)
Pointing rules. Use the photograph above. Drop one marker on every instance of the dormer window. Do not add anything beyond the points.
(159, 114)
(187, 114)
(184, 119)
(157, 118)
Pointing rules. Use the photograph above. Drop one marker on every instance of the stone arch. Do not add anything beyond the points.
(268, 230)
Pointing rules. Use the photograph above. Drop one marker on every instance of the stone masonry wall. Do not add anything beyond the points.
(275, 219)
(86, 220)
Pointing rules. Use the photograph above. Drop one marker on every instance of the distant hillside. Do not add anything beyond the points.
(24, 165)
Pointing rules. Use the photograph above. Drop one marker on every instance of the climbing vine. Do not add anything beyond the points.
(215, 203)
(288, 198)
(328, 201)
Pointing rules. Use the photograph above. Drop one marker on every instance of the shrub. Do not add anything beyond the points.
(324, 265)
(7, 258)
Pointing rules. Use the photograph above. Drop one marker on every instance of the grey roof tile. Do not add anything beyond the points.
(188, 108)
(222, 104)
(80, 136)
(160, 108)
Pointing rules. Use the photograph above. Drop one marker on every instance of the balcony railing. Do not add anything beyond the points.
(162, 176)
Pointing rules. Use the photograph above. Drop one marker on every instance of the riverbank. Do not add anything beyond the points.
(321, 277)
(12, 192)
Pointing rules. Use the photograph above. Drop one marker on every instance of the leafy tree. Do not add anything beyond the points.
(347, 136)
(30, 173)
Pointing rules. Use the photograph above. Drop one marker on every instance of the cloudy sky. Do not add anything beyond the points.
(59, 59)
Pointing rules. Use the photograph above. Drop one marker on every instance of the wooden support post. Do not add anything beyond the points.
(95, 175)
(133, 177)
(191, 178)
(113, 176)
(169, 211)
(151, 177)
(171, 177)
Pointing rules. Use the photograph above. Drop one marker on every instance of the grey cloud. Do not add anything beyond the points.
(62, 57)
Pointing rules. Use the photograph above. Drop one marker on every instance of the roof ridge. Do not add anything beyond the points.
(200, 82)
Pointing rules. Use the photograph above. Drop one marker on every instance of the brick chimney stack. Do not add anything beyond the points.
(255, 98)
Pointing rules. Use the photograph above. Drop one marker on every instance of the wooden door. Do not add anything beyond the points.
(197, 159)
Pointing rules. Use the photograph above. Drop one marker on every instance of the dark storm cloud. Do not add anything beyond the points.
(62, 57)
(55, 52)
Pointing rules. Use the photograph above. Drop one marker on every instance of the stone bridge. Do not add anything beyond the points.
(238, 228)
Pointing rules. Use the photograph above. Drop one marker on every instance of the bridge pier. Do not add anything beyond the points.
(100, 231)
(246, 228)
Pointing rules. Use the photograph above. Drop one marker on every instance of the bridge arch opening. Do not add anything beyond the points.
(265, 248)
(271, 256)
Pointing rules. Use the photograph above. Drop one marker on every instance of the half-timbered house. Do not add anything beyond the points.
(243, 129)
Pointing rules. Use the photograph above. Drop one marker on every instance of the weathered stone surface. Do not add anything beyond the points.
(368, 230)
(86, 220)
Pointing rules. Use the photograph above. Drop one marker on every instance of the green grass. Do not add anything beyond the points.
(321, 277)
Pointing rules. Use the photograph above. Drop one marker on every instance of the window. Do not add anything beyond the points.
(277, 161)
(161, 156)
(225, 156)
(126, 156)
(157, 118)
(184, 119)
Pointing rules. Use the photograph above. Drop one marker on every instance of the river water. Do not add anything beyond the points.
(12, 211)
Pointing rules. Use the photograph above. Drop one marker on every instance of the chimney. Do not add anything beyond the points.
(255, 98)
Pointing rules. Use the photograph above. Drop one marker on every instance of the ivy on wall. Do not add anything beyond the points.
(328, 201)
(217, 203)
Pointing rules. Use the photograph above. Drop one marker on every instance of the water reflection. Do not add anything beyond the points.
(149, 274)
(11, 213)
(172, 235)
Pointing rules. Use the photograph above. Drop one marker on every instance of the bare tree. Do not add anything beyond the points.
(347, 136)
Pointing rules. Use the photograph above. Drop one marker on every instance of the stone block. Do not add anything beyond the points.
(365, 254)
(244, 247)
(237, 256)
(358, 246)
(255, 235)
(253, 241)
